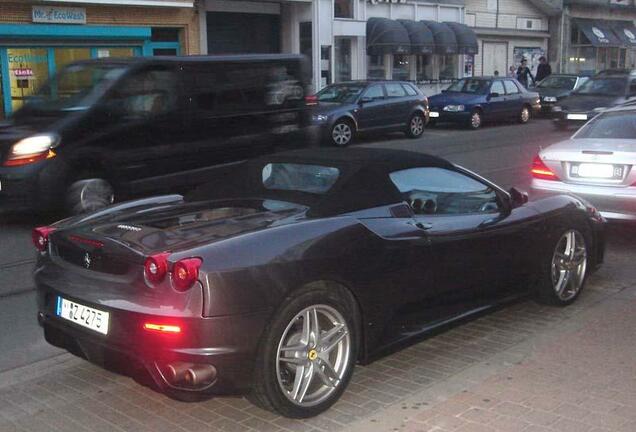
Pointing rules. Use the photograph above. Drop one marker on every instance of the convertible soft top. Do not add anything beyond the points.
(363, 182)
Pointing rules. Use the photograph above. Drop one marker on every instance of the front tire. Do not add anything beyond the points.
(475, 120)
(524, 115)
(307, 353)
(415, 127)
(564, 270)
(342, 133)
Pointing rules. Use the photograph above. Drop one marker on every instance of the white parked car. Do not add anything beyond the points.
(597, 164)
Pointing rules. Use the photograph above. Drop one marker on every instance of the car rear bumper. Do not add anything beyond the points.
(614, 203)
(222, 349)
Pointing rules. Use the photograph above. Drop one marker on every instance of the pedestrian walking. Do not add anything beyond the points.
(543, 70)
(512, 73)
(523, 73)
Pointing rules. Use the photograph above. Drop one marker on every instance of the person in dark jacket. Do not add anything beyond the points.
(523, 73)
(543, 70)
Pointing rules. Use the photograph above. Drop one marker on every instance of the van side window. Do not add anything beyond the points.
(147, 93)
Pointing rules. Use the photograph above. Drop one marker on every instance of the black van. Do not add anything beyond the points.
(109, 129)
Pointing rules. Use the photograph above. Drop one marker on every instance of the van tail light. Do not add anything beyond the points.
(156, 267)
(40, 236)
(311, 100)
(185, 273)
(540, 170)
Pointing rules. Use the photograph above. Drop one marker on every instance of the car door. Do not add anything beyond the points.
(372, 111)
(474, 235)
(398, 104)
(514, 98)
(495, 106)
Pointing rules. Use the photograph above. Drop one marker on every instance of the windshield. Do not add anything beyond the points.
(314, 179)
(558, 82)
(603, 87)
(615, 125)
(340, 93)
(75, 87)
(473, 86)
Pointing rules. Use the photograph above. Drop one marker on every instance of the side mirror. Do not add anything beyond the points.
(517, 197)
(365, 99)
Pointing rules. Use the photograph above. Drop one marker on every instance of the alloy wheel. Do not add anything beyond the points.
(525, 115)
(475, 120)
(341, 134)
(313, 355)
(417, 125)
(569, 263)
(90, 194)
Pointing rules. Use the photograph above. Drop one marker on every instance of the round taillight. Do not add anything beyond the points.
(40, 236)
(185, 273)
(156, 267)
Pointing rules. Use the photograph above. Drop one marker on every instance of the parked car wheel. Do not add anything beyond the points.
(565, 270)
(524, 116)
(89, 194)
(475, 120)
(307, 354)
(416, 124)
(342, 133)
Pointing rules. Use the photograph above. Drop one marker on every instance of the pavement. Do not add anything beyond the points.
(525, 367)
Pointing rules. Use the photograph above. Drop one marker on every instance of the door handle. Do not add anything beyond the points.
(423, 225)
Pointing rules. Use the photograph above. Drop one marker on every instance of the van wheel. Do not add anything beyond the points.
(89, 194)
(342, 133)
(415, 127)
(308, 352)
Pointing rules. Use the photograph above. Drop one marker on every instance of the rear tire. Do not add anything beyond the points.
(342, 133)
(297, 374)
(415, 126)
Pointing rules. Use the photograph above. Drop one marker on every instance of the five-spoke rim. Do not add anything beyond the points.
(417, 125)
(475, 120)
(341, 134)
(525, 114)
(568, 265)
(313, 355)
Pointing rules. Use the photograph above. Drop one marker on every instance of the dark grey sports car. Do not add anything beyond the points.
(276, 280)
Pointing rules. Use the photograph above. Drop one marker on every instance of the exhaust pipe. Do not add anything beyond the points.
(200, 374)
(175, 372)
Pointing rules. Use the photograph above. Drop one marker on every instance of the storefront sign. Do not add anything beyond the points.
(23, 73)
(58, 15)
(386, 1)
(630, 35)
(600, 35)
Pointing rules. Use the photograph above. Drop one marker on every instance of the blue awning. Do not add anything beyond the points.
(70, 31)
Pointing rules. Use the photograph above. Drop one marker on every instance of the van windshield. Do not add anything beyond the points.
(76, 87)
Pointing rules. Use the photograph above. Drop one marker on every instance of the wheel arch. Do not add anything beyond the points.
(346, 117)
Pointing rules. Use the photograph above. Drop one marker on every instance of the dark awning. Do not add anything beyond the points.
(385, 36)
(466, 38)
(598, 32)
(625, 31)
(421, 37)
(445, 41)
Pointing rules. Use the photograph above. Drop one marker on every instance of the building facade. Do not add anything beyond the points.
(348, 39)
(589, 36)
(37, 38)
(509, 30)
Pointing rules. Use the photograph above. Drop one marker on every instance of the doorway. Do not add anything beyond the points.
(495, 58)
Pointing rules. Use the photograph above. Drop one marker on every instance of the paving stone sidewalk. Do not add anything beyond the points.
(524, 368)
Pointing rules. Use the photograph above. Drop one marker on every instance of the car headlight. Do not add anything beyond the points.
(319, 117)
(549, 99)
(454, 108)
(557, 108)
(32, 149)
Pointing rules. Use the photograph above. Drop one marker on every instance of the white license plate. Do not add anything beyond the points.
(85, 316)
(595, 170)
(577, 116)
(433, 114)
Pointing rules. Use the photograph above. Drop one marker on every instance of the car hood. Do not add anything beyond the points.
(555, 92)
(176, 226)
(593, 150)
(443, 99)
(585, 103)
(327, 108)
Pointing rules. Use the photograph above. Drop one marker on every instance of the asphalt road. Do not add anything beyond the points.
(501, 153)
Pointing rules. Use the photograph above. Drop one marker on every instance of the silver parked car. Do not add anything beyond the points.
(597, 164)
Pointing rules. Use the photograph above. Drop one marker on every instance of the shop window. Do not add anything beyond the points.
(375, 67)
(306, 45)
(115, 52)
(71, 84)
(401, 70)
(28, 70)
(343, 8)
(342, 63)
(448, 66)
(164, 34)
(424, 67)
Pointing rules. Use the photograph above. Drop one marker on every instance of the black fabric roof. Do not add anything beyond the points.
(598, 32)
(363, 182)
(625, 31)
(422, 41)
(466, 38)
(386, 36)
(445, 40)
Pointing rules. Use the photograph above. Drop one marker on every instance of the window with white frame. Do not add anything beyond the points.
(343, 9)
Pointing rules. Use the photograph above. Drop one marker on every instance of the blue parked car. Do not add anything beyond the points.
(471, 101)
